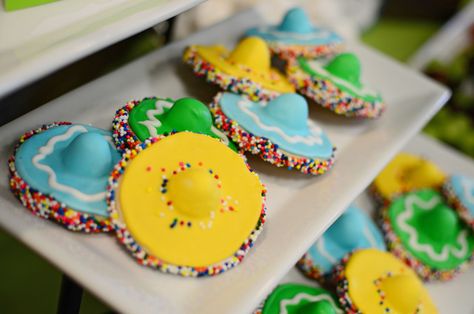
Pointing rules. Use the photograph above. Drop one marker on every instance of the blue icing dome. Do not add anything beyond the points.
(353, 230)
(283, 120)
(295, 29)
(71, 163)
(463, 188)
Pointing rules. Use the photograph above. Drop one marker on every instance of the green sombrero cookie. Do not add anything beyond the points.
(422, 230)
(151, 117)
(336, 85)
(292, 298)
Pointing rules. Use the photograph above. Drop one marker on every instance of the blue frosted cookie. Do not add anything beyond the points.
(459, 190)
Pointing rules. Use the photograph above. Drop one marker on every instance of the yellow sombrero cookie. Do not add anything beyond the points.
(245, 70)
(406, 173)
(373, 281)
(186, 204)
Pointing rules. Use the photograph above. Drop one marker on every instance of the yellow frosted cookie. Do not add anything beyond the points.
(186, 204)
(373, 281)
(405, 173)
(244, 70)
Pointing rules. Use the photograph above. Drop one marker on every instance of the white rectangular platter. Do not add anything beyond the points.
(300, 207)
(39, 40)
(450, 297)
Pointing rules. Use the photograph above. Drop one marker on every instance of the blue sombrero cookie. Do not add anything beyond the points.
(60, 172)
(335, 85)
(295, 36)
(459, 190)
(279, 131)
(354, 230)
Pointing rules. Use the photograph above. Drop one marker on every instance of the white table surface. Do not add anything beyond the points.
(38, 40)
(300, 207)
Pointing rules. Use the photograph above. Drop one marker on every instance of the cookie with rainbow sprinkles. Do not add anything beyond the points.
(278, 131)
(294, 298)
(422, 230)
(244, 70)
(60, 173)
(353, 230)
(151, 117)
(459, 190)
(186, 204)
(295, 36)
(405, 173)
(373, 281)
(335, 85)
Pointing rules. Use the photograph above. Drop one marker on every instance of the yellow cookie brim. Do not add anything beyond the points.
(148, 218)
(390, 183)
(364, 267)
(217, 56)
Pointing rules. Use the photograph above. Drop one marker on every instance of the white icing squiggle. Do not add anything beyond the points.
(370, 237)
(322, 250)
(413, 234)
(468, 190)
(304, 296)
(316, 66)
(315, 131)
(221, 135)
(153, 123)
(321, 34)
(46, 150)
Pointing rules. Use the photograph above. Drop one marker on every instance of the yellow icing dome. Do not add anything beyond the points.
(189, 200)
(407, 172)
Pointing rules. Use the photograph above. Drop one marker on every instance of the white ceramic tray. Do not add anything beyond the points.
(39, 40)
(450, 297)
(300, 207)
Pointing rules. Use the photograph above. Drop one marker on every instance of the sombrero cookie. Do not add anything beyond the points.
(245, 70)
(278, 130)
(335, 85)
(293, 298)
(60, 173)
(295, 36)
(352, 231)
(459, 190)
(406, 173)
(428, 235)
(373, 281)
(150, 117)
(186, 204)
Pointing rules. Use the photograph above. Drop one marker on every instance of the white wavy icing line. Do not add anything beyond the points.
(370, 237)
(315, 131)
(221, 135)
(316, 66)
(304, 296)
(153, 123)
(468, 190)
(413, 234)
(322, 34)
(47, 149)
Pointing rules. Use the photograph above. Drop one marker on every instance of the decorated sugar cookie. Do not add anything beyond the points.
(459, 190)
(245, 70)
(150, 117)
(373, 281)
(60, 173)
(406, 172)
(186, 204)
(295, 36)
(353, 230)
(293, 298)
(336, 85)
(278, 130)
(428, 235)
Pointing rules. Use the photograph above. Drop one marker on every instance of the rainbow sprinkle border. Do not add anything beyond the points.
(263, 147)
(329, 96)
(140, 254)
(47, 207)
(226, 81)
(290, 52)
(396, 247)
(454, 201)
(310, 270)
(124, 137)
